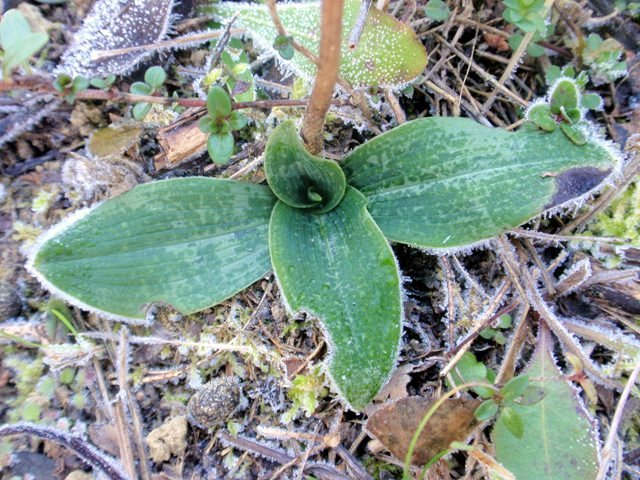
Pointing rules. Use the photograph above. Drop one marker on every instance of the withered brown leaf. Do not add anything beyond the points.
(395, 424)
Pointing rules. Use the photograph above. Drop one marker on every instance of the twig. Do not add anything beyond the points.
(322, 471)
(326, 76)
(451, 307)
(615, 423)
(395, 106)
(515, 59)
(198, 37)
(358, 26)
(508, 364)
(485, 75)
(77, 445)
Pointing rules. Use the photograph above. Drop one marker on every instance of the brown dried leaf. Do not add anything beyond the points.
(113, 141)
(394, 425)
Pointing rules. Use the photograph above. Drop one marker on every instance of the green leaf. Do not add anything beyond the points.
(388, 53)
(486, 410)
(450, 182)
(574, 133)
(220, 147)
(218, 102)
(512, 421)
(541, 116)
(298, 178)
(591, 101)
(79, 84)
(240, 78)
(155, 76)
(140, 88)
(564, 94)
(21, 52)
(514, 387)
(140, 110)
(190, 243)
(558, 439)
(437, 10)
(237, 120)
(338, 266)
(467, 370)
(13, 29)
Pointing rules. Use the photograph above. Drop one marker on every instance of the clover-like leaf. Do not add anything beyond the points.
(155, 76)
(541, 116)
(388, 53)
(298, 178)
(558, 438)
(190, 243)
(451, 182)
(564, 93)
(338, 266)
(140, 110)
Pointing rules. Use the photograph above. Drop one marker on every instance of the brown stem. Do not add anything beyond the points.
(78, 445)
(326, 76)
(43, 85)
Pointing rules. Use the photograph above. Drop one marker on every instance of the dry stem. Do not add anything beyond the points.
(326, 76)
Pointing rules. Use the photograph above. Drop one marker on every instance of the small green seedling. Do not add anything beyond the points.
(437, 10)
(219, 122)
(321, 226)
(565, 106)
(17, 42)
(603, 59)
(495, 333)
(70, 86)
(154, 79)
(516, 391)
(528, 15)
(284, 46)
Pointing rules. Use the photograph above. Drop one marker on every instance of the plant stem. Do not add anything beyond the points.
(326, 75)
(78, 445)
(43, 85)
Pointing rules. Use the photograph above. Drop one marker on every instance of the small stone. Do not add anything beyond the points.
(10, 304)
(168, 439)
(214, 403)
(79, 475)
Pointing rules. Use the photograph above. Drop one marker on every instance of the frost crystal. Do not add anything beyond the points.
(113, 25)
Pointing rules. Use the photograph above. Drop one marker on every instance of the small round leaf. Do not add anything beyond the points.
(220, 147)
(155, 76)
(140, 110)
(140, 88)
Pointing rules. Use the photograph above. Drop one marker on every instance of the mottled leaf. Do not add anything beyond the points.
(298, 178)
(450, 182)
(114, 25)
(558, 438)
(338, 266)
(395, 424)
(388, 53)
(190, 243)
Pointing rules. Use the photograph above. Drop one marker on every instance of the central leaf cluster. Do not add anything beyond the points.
(298, 178)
